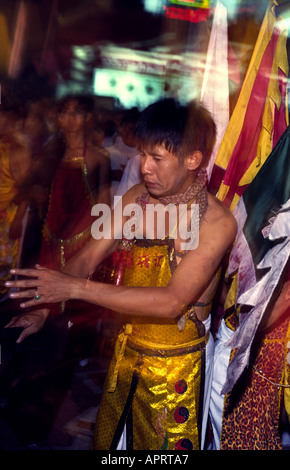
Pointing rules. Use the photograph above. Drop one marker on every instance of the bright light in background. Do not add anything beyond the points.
(234, 6)
(231, 6)
(138, 78)
(84, 53)
(128, 88)
(154, 6)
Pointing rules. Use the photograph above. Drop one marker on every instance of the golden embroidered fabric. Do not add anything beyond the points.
(163, 362)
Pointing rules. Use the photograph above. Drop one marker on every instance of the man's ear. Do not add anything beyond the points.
(194, 160)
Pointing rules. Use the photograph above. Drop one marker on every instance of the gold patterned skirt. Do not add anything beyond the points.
(155, 380)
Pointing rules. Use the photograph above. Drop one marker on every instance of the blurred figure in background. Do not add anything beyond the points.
(80, 181)
(123, 149)
(15, 161)
(42, 375)
(47, 147)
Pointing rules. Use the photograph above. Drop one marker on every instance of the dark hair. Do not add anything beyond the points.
(85, 103)
(182, 129)
(13, 110)
(130, 116)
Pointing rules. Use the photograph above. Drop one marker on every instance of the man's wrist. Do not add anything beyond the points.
(77, 289)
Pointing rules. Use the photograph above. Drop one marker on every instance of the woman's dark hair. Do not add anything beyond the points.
(85, 103)
(182, 129)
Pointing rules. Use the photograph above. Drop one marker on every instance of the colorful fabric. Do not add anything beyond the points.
(260, 115)
(68, 222)
(252, 409)
(287, 377)
(237, 333)
(258, 296)
(255, 214)
(155, 380)
(8, 209)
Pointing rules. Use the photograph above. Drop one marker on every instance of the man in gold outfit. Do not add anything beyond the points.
(155, 394)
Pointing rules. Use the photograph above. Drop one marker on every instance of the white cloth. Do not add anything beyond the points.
(209, 352)
(209, 361)
(220, 366)
(259, 295)
(131, 175)
(120, 154)
(215, 86)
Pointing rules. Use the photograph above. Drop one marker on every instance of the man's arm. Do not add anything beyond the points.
(88, 259)
(190, 279)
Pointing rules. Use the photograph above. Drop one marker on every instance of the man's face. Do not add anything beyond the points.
(126, 132)
(72, 118)
(162, 171)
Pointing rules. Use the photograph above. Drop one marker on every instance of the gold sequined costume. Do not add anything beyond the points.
(155, 380)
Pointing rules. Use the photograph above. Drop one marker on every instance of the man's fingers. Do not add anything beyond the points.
(23, 283)
(20, 322)
(24, 333)
(25, 272)
(30, 303)
(12, 323)
(23, 294)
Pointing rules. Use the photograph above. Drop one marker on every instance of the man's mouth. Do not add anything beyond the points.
(150, 184)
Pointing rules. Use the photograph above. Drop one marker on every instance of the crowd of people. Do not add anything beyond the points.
(58, 158)
(164, 386)
(33, 143)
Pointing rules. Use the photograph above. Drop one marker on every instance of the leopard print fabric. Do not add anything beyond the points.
(252, 409)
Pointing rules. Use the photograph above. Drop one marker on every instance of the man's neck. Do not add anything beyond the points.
(189, 191)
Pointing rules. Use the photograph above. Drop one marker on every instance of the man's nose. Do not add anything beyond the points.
(145, 165)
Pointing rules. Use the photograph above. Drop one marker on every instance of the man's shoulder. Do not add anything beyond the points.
(219, 208)
(219, 216)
